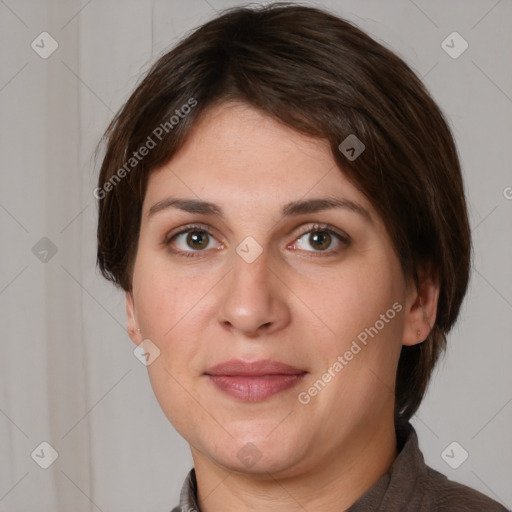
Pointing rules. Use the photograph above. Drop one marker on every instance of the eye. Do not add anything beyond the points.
(321, 238)
(192, 239)
(195, 239)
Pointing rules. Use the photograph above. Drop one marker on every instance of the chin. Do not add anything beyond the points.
(252, 462)
(260, 454)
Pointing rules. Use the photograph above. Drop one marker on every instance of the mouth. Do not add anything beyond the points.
(254, 381)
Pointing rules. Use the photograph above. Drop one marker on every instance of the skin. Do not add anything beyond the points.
(294, 304)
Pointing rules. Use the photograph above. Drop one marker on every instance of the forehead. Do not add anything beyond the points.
(238, 156)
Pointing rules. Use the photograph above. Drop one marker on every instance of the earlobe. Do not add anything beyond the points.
(132, 325)
(421, 311)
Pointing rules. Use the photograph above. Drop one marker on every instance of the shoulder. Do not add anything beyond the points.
(444, 495)
(416, 486)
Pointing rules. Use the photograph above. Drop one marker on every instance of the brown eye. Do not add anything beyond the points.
(192, 241)
(320, 240)
(197, 239)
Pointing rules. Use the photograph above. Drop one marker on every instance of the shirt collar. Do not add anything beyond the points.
(397, 485)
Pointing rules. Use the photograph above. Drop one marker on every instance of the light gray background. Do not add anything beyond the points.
(68, 375)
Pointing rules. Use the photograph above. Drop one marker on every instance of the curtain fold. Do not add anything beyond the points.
(42, 374)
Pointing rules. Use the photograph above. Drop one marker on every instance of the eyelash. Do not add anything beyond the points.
(315, 228)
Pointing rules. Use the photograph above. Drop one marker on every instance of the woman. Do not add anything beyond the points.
(282, 202)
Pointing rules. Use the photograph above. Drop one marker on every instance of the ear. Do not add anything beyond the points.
(132, 325)
(420, 308)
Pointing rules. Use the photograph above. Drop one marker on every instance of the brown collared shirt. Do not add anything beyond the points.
(408, 486)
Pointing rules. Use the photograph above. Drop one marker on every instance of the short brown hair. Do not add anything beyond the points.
(324, 77)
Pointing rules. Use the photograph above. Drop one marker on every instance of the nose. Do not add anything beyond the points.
(254, 299)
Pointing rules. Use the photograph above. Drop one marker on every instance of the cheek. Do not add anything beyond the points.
(362, 307)
(353, 299)
(164, 296)
(164, 308)
(177, 396)
(169, 314)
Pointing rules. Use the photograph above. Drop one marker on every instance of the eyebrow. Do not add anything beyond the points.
(292, 209)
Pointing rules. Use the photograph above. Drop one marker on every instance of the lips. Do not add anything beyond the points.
(235, 367)
(254, 381)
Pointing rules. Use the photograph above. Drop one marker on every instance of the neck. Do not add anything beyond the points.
(332, 484)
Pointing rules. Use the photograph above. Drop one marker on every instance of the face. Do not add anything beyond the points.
(267, 276)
